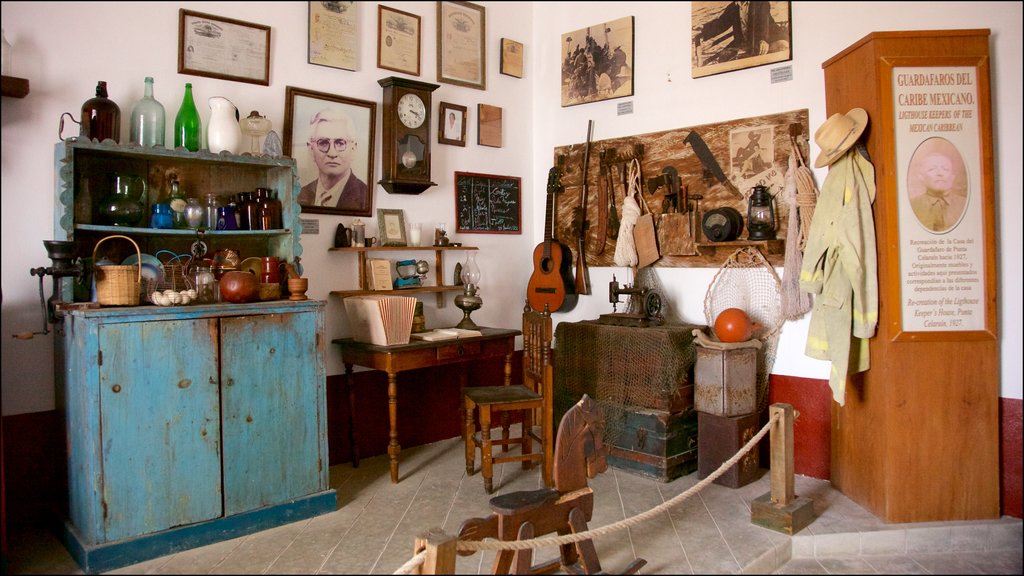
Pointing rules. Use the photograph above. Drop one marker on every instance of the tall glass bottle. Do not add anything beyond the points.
(148, 119)
(188, 128)
(101, 117)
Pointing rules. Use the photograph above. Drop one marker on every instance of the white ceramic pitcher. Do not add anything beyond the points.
(223, 132)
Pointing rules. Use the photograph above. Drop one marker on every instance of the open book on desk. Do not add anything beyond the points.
(446, 334)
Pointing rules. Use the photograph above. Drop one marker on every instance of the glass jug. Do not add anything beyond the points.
(125, 205)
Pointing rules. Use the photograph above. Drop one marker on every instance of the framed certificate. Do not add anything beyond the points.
(223, 48)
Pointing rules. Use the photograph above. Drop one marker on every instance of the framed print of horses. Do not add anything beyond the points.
(729, 36)
(597, 62)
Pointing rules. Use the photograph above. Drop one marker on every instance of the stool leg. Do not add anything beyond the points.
(525, 440)
(467, 436)
(485, 447)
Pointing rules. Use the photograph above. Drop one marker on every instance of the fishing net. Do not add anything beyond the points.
(748, 281)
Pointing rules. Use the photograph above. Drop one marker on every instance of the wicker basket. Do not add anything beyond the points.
(118, 285)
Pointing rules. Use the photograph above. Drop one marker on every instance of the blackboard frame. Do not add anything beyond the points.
(470, 188)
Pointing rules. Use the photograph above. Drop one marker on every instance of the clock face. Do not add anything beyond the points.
(411, 111)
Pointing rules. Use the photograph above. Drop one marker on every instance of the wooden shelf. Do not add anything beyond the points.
(767, 247)
(439, 288)
(15, 87)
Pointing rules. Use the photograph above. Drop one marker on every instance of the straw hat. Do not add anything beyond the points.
(838, 134)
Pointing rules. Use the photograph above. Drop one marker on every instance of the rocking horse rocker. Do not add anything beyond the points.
(580, 453)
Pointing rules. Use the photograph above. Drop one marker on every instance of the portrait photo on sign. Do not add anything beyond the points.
(937, 185)
(751, 151)
(597, 62)
(331, 139)
(729, 36)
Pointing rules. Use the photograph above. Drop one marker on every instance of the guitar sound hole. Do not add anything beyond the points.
(547, 266)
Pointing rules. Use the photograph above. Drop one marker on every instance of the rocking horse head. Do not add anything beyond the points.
(580, 452)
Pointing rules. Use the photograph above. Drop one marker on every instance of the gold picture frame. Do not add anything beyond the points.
(224, 48)
(461, 44)
(391, 227)
(398, 40)
(451, 125)
(511, 58)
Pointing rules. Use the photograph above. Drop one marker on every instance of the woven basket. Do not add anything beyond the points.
(118, 285)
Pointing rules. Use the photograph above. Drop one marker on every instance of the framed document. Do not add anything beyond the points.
(398, 40)
(511, 58)
(461, 47)
(334, 34)
(223, 48)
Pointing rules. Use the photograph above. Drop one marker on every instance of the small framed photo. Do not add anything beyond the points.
(511, 58)
(225, 48)
(461, 44)
(488, 131)
(398, 40)
(452, 124)
(334, 34)
(391, 227)
(331, 139)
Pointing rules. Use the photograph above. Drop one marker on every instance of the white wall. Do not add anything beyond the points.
(64, 48)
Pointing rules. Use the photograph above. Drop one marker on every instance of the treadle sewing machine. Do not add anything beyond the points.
(649, 305)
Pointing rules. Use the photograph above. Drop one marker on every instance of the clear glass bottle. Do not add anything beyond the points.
(101, 116)
(188, 127)
(148, 119)
(194, 213)
(210, 207)
(177, 201)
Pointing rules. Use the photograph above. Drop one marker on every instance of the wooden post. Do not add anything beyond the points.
(780, 509)
(440, 548)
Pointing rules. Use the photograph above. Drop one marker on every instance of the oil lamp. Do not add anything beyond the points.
(469, 301)
(760, 215)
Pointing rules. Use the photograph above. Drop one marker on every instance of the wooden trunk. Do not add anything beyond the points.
(720, 437)
(656, 444)
(725, 381)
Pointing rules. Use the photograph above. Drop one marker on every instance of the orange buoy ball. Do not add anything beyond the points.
(733, 325)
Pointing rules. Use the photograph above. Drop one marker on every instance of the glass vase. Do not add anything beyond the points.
(148, 119)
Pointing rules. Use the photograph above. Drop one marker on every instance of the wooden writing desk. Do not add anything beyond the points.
(494, 343)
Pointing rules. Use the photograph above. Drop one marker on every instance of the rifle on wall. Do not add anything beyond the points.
(582, 279)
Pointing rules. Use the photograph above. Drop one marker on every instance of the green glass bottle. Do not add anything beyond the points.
(188, 128)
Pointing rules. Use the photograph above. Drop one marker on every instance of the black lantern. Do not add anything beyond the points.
(760, 215)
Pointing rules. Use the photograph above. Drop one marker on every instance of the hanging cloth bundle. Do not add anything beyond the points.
(625, 247)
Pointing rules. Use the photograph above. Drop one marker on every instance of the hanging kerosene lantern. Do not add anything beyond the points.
(760, 214)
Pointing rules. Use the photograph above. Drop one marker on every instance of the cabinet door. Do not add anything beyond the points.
(271, 373)
(160, 425)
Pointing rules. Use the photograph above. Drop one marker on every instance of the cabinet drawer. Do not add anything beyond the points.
(458, 350)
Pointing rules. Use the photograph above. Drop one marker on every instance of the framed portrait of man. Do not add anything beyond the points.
(331, 138)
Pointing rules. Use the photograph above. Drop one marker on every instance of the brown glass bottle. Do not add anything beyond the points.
(101, 117)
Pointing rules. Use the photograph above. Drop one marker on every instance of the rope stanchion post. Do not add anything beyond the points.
(440, 549)
(780, 509)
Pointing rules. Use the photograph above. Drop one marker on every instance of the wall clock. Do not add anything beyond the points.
(406, 144)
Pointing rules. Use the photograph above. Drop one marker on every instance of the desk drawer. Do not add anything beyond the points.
(458, 350)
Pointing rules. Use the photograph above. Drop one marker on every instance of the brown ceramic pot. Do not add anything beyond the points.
(238, 287)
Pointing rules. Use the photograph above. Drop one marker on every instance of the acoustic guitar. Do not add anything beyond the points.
(552, 283)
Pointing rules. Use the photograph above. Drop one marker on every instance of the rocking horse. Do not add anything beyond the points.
(580, 453)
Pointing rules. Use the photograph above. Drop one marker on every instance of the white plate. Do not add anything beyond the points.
(152, 268)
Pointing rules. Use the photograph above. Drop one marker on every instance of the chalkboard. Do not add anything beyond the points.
(487, 204)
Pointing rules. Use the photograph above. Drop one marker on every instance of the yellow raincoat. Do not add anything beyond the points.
(840, 267)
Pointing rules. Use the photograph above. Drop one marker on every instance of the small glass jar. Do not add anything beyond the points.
(194, 213)
(206, 285)
(210, 209)
(162, 216)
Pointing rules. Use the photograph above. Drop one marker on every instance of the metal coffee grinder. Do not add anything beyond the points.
(65, 265)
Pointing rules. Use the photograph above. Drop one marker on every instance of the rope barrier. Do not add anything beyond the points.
(411, 565)
(626, 523)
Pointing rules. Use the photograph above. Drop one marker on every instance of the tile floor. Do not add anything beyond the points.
(709, 532)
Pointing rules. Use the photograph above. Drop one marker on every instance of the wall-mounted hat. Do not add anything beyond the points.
(838, 134)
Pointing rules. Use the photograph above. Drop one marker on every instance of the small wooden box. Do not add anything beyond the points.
(719, 438)
(725, 381)
(656, 444)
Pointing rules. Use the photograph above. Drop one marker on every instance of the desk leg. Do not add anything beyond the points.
(353, 446)
(393, 447)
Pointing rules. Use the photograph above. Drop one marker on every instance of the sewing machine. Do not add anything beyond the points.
(650, 307)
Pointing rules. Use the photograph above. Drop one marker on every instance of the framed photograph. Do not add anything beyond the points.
(331, 139)
(334, 34)
(511, 58)
(391, 227)
(598, 62)
(452, 124)
(488, 130)
(224, 48)
(461, 44)
(398, 40)
(488, 204)
(729, 36)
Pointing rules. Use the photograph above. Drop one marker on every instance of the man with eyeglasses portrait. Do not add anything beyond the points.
(332, 144)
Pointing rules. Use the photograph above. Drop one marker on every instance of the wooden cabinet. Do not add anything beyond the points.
(186, 425)
(918, 437)
(439, 287)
